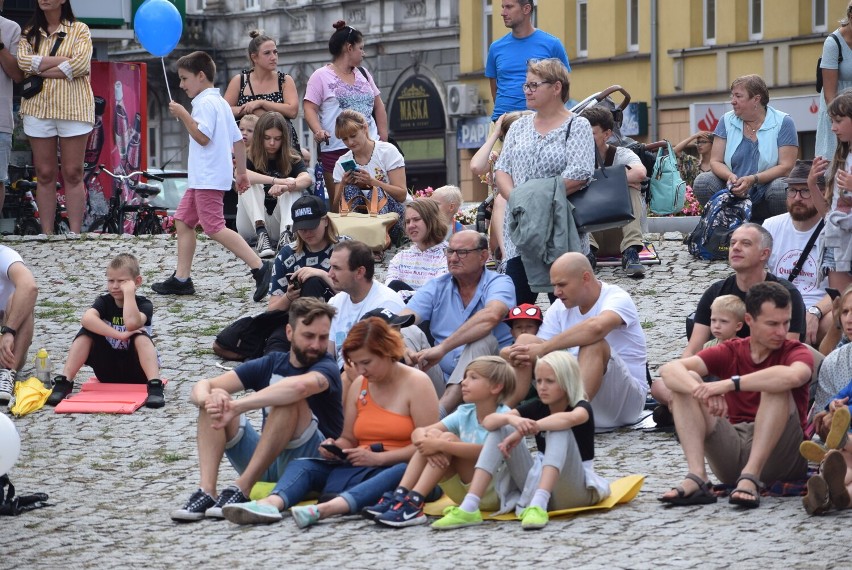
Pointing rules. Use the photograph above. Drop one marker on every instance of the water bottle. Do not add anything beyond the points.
(43, 368)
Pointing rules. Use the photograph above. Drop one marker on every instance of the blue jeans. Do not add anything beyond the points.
(359, 486)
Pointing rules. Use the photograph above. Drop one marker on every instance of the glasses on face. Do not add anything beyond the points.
(462, 253)
(805, 192)
(529, 311)
(532, 86)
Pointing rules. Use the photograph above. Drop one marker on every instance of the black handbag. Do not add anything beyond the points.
(33, 84)
(604, 203)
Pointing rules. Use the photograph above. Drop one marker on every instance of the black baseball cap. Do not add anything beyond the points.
(307, 212)
(390, 318)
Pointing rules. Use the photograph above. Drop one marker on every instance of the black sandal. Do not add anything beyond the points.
(754, 501)
(703, 495)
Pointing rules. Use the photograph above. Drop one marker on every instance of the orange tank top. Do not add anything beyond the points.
(374, 424)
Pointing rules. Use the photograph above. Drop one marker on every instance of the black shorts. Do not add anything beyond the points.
(111, 365)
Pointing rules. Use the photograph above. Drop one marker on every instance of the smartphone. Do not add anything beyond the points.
(334, 450)
(294, 281)
(349, 165)
(833, 293)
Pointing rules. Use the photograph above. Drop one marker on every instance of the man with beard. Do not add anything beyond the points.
(299, 393)
(791, 233)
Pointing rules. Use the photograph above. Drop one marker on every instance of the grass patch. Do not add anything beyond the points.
(172, 457)
(648, 292)
(647, 324)
(138, 464)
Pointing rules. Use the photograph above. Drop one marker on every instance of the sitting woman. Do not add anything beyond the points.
(412, 267)
(449, 199)
(385, 404)
(562, 476)
(369, 166)
(277, 175)
(754, 147)
(836, 369)
(688, 164)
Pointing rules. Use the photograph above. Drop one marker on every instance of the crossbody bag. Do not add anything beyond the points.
(33, 85)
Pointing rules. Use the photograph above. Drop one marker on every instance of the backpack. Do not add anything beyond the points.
(819, 62)
(668, 190)
(723, 213)
(245, 338)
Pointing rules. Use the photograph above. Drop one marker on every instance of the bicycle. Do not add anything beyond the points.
(125, 216)
(20, 198)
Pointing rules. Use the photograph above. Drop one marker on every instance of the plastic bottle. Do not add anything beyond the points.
(43, 368)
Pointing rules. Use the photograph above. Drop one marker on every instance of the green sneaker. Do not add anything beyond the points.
(454, 517)
(251, 513)
(534, 518)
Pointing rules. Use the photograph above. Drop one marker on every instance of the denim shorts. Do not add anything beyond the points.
(828, 263)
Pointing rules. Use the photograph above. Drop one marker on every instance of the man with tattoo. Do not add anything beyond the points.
(299, 393)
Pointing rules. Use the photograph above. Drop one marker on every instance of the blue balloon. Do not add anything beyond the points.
(158, 26)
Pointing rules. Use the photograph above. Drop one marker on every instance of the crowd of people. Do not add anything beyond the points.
(379, 397)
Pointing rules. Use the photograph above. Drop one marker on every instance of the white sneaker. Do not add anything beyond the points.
(7, 386)
(263, 248)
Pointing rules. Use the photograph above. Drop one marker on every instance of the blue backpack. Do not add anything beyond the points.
(723, 213)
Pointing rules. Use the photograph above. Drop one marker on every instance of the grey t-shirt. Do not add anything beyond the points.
(10, 34)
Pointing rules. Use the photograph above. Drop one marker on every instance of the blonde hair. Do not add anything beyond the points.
(330, 236)
(449, 193)
(848, 16)
(730, 304)
(553, 70)
(567, 372)
(249, 119)
(497, 371)
(349, 122)
(125, 261)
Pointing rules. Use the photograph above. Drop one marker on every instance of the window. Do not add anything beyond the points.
(252, 4)
(154, 130)
(709, 22)
(487, 29)
(582, 28)
(632, 25)
(820, 9)
(755, 19)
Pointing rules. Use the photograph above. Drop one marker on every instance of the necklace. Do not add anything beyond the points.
(753, 129)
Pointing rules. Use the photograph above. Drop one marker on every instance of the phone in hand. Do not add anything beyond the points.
(833, 293)
(294, 281)
(334, 450)
(349, 165)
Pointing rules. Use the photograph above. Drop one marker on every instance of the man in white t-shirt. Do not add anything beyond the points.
(18, 293)
(599, 324)
(790, 234)
(627, 239)
(10, 33)
(351, 271)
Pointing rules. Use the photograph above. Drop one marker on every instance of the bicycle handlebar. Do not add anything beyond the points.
(131, 176)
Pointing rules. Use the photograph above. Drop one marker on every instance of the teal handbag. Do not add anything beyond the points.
(668, 190)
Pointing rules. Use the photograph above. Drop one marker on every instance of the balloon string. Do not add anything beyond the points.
(166, 77)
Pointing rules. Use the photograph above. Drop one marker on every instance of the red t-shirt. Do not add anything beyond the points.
(734, 357)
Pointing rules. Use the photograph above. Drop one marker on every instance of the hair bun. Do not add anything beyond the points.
(339, 24)
(255, 33)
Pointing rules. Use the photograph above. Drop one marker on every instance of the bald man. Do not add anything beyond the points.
(599, 324)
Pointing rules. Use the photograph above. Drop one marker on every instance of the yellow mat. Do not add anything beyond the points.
(622, 491)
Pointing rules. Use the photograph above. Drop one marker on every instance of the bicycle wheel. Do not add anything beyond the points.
(29, 227)
(104, 225)
(144, 223)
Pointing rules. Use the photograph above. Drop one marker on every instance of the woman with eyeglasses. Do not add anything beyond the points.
(540, 146)
(342, 84)
(688, 163)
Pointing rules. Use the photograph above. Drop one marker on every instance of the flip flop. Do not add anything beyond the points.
(701, 496)
(754, 501)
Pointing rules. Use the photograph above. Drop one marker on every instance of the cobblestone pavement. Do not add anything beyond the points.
(113, 478)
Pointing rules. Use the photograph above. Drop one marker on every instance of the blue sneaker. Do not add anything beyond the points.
(404, 513)
(387, 501)
(251, 513)
(305, 516)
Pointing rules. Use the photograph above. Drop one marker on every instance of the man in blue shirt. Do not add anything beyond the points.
(465, 309)
(507, 57)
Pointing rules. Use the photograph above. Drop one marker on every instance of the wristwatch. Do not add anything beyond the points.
(736, 380)
(814, 310)
(8, 330)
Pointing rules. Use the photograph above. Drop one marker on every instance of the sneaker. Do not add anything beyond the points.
(264, 248)
(305, 516)
(534, 518)
(833, 470)
(286, 238)
(155, 397)
(172, 286)
(817, 501)
(62, 386)
(262, 276)
(662, 416)
(454, 517)
(839, 427)
(7, 386)
(630, 262)
(404, 513)
(251, 513)
(194, 508)
(812, 451)
(385, 503)
(230, 495)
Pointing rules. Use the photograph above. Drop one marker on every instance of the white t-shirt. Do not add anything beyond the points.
(8, 256)
(629, 158)
(10, 34)
(331, 94)
(210, 167)
(349, 313)
(787, 247)
(385, 158)
(627, 340)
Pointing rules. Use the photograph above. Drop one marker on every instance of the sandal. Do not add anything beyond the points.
(754, 501)
(701, 496)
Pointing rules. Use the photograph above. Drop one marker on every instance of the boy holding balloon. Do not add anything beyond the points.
(213, 136)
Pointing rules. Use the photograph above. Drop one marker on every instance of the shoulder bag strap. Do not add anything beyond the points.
(839, 49)
(610, 155)
(248, 82)
(59, 37)
(810, 245)
(282, 78)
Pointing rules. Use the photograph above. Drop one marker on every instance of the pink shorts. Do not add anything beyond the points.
(329, 158)
(203, 207)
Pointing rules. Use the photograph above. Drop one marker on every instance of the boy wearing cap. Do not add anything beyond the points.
(524, 319)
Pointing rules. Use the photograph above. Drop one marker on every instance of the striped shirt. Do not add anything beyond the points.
(67, 99)
(415, 267)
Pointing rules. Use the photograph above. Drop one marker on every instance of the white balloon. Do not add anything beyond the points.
(10, 444)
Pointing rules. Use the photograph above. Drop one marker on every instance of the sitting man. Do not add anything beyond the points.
(791, 233)
(465, 309)
(748, 424)
(599, 324)
(626, 240)
(18, 293)
(750, 248)
(299, 393)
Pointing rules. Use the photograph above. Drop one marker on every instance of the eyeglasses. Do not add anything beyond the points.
(529, 311)
(805, 192)
(532, 86)
(462, 253)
